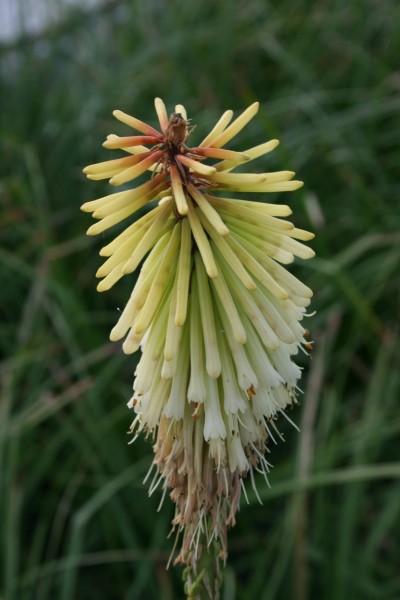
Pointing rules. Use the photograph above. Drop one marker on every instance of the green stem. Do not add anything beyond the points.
(203, 575)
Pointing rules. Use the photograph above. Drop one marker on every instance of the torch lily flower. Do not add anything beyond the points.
(216, 315)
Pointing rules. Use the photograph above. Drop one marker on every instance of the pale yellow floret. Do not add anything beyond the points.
(266, 233)
(289, 312)
(176, 403)
(169, 367)
(136, 123)
(213, 363)
(276, 243)
(210, 212)
(195, 165)
(149, 270)
(138, 200)
(218, 128)
(132, 342)
(110, 248)
(261, 149)
(111, 217)
(249, 215)
(265, 186)
(173, 333)
(165, 199)
(179, 194)
(274, 250)
(214, 426)
(161, 113)
(120, 256)
(103, 175)
(105, 200)
(260, 358)
(136, 170)
(102, 206)
(237, 125)
(164, 273)
(278, 176)
(234, 179)
(180, 109)
(233, 395)
(258, 271)
(274, 210)
(300, 301)
(140, 291)
(223, 251)
(155, 401)
(243, 232)
(110, 166)
(198, 373)
(111, 279)
(274, 315)
(134, 304)
(286, 279)
(250, 154)
(296, 248)
(131, 149)
(152, 348)
(245, 299)
(230, 309)
(202, 241)
(228, 254)
(301, 234)
(270, 242)
(245, 374)
(184, 269)
(228, 155)
(149, 238)
(120, 143)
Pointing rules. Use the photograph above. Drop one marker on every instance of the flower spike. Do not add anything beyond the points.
(216, 315)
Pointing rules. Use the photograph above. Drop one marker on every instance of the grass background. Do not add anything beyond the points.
(75, 520)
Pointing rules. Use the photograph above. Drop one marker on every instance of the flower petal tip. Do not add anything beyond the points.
(129, 348)
(91, 230)
(101, 287)
(213, 372)
(115, 335)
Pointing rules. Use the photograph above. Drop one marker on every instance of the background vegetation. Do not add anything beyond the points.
(75, 520)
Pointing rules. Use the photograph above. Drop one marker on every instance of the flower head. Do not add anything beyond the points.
(217, 316)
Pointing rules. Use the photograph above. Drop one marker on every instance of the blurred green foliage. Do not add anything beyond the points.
(75, 520)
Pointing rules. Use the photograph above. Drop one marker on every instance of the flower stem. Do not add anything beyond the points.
(203, 576)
